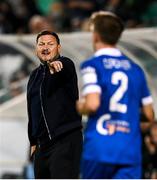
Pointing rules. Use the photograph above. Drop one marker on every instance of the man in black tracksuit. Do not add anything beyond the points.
(54, 127)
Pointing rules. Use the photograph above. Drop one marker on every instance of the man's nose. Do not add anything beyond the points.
(45, 46)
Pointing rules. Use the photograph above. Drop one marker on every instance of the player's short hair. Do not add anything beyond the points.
(107, 25)
(46, 32)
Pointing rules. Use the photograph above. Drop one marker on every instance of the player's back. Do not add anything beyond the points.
(116, 123)
(121, 84)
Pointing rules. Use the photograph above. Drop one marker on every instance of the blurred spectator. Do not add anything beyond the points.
(132, 11)
(72, 15)
(28, 9)
(7, 18)
(45, 6)
(85, 25)
(24, 8)
(78, 10)
(58, 16)
(14, 15)
(37, 23)
(112, 5)
(149, 17)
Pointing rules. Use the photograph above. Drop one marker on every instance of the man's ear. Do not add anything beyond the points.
(59, 48)
(96, 37)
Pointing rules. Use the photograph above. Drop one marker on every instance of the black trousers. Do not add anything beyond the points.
(61, 159)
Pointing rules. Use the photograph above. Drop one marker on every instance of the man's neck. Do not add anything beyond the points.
(100, 45)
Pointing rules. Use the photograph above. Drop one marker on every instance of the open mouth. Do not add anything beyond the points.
(45, 52)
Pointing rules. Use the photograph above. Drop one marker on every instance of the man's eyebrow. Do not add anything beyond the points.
(46, 42)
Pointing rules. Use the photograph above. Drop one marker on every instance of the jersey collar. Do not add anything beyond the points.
(108, 51)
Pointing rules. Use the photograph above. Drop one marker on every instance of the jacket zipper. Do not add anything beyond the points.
(42, 108)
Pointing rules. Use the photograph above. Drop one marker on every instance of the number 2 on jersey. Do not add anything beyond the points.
(114, 105)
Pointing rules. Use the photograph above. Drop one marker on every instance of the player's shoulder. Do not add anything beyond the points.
(135, 66)
(89, 62)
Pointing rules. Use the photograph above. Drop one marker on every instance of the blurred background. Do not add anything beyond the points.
(21, 20)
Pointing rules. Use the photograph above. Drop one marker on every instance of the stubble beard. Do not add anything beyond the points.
(44, 60)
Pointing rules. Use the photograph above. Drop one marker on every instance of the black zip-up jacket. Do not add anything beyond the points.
(58, 95)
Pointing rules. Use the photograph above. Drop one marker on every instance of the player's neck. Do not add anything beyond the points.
(100, 45)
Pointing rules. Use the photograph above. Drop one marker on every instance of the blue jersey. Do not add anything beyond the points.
(113, 134)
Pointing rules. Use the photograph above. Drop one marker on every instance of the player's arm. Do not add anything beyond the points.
(88, 104)
(146, 104)
(91, 90)
(148, 112)
(148, 115)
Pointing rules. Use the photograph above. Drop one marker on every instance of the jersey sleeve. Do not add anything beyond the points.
(146, 97)
(89, 79)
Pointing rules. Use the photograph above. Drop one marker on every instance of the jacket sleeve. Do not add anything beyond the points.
(69, 72)
(68, 67)
(31, 139)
